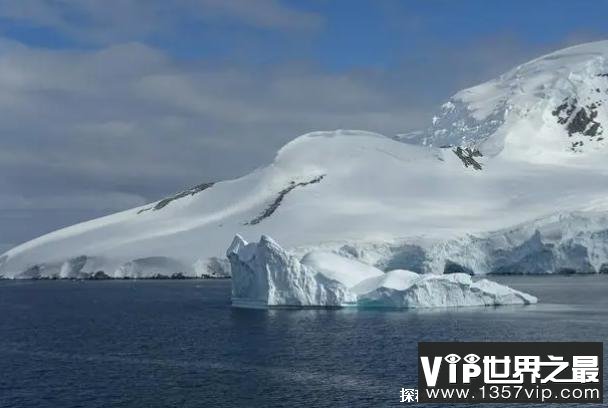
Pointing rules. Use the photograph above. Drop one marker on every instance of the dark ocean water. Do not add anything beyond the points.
(180, 344)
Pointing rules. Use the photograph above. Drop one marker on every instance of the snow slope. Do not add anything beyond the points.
(524, 150)
(264, 274)
(541, 111)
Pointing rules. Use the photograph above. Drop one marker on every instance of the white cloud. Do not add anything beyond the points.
(119, 20)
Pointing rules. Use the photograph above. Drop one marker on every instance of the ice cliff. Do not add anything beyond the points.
(264, 274)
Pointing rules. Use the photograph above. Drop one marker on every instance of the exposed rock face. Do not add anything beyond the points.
(467, 156)
(166, 201)
(280, 196)
(580, 121)
(99, 275)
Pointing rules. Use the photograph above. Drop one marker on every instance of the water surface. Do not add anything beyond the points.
(179, 343)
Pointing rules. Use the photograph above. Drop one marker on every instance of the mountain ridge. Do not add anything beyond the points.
(510, 151)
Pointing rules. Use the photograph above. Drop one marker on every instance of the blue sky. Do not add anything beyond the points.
(339, 34)
(110, 104)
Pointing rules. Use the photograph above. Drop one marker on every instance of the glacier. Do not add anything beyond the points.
(510, 177)
(265, 275)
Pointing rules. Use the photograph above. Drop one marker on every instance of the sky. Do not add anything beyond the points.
(107, 105)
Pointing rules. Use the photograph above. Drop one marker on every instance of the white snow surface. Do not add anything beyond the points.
(538, 204)
(347, 271)
(515, 115)
(264, 274)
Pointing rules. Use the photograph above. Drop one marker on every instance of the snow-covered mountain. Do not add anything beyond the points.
(539, 111)
(522, 155)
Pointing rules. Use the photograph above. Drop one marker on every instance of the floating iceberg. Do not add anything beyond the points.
(406, 289)
(264, 274)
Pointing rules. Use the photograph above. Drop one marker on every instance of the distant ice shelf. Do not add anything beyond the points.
(265, 275)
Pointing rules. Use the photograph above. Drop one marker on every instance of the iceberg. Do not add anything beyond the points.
(265, 275)
(406, 289)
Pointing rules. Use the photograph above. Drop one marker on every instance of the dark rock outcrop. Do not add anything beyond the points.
(277, 202)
